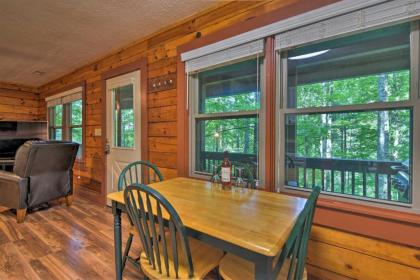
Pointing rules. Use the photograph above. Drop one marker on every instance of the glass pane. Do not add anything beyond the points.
(239, 136)
(76, 136)
(123, 117)
(51, 116)
(58, 134)
(230, 88)
(76, 112)
(369, 67)
(58, 115)
(358, 153)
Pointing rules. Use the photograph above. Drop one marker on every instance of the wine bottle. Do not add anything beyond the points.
(226, 171)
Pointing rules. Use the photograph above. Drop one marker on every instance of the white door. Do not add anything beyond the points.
(122, 125)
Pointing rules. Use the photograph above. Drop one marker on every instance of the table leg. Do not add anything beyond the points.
(264, 268)
(117, 241)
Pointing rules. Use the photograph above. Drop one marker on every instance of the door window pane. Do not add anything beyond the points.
(123, 117)
(364, 68)
(365, 154)
(230, 88)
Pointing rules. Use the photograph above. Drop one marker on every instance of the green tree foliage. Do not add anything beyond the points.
(236, 135)
(353, 135)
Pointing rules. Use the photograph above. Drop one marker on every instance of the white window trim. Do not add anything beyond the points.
(225, 56)
(132, 78)
(387, 13)
(193, 100)
(64, 97)
(414, 102)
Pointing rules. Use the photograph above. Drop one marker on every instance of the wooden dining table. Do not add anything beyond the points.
(252, 224)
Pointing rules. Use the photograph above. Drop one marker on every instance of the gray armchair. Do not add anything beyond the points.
(42, 172)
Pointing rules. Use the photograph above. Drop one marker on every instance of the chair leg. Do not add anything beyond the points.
(127, 250)
(218, 276)
(20, 215)
(69, 200)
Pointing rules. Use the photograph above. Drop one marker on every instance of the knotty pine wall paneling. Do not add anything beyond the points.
(20, 103)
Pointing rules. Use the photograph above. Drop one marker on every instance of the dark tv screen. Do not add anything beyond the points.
(8, 126)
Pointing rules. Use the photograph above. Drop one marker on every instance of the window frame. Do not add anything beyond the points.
(111, 85)
(66, 116)
(375, 220)
(412, 103)
(52, 127)
(67, 110)
(194, 116)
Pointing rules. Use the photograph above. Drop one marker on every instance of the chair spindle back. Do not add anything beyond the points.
(139, 172)
(296, 245)
(145, 207)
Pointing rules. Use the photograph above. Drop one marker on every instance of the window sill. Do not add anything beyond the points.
(375, 222)
(372, 211)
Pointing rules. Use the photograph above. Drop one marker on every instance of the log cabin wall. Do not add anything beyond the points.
(332, 254)
(20, 103)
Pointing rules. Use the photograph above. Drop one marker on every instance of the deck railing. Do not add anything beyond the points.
(385, 180)
(210, 160)
(374, 179)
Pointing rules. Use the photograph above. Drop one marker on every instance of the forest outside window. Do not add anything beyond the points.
(65, 118)
(348, 115)
(226, 117)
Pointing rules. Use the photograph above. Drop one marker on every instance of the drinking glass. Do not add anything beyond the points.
(215, 178)
(240, 183)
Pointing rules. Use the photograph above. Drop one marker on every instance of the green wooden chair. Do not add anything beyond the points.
(291, 261)
(135, 173)
(168, 252)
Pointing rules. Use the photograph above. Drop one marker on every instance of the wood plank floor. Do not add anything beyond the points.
(61, 243)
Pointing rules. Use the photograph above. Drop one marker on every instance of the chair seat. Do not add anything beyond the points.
(204, 257)
(235, 268)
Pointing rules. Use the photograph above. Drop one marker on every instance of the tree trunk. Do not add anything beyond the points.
(326, 144)
(246, 138)
(383, 130)
(256, 138)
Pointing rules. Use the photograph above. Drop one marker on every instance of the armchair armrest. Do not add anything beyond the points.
(13, 190)
(9, 176)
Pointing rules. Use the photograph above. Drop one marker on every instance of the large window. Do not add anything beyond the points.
(347, 115)
(65, 117)
(226, 116)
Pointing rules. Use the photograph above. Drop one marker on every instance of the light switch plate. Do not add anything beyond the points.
(98, 132)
